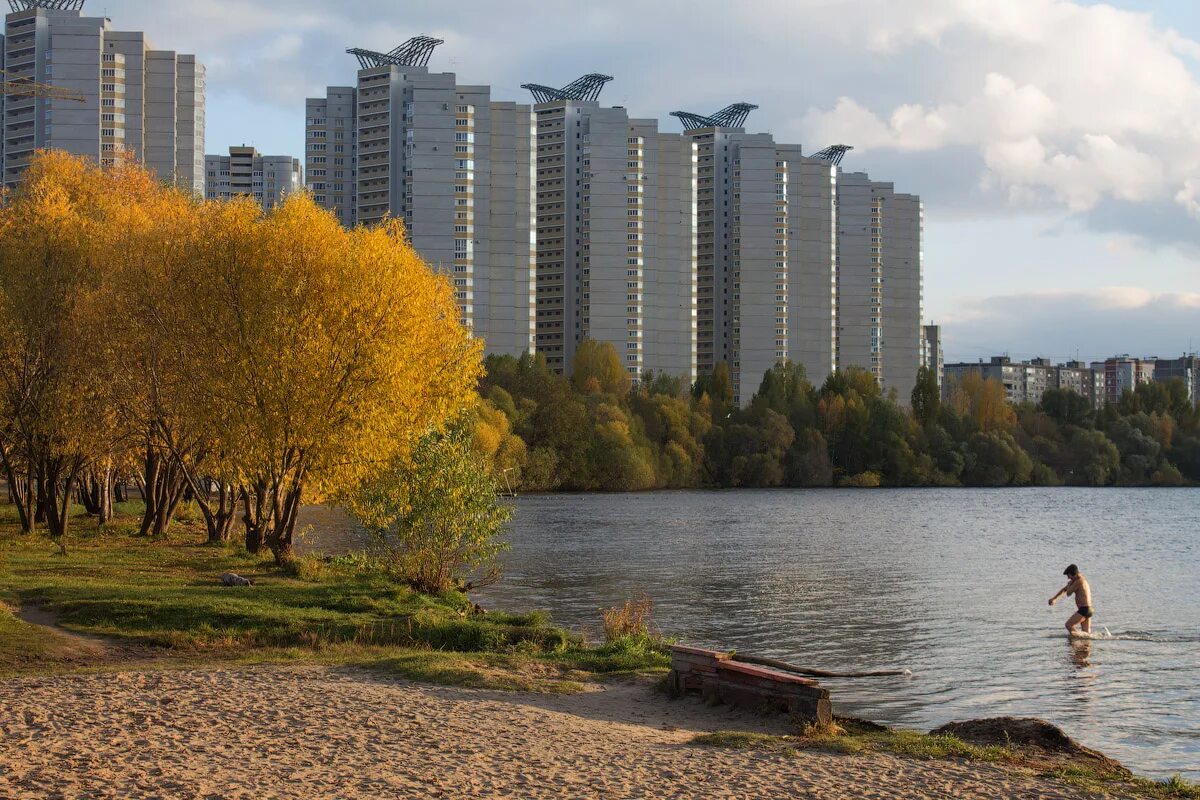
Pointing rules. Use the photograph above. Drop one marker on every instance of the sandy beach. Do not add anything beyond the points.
(319, 732)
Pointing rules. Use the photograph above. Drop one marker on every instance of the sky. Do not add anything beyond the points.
(1055, 143)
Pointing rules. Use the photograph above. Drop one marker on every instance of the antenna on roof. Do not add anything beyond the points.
(731, 116)
(53, 5)
(585, 88)
(833, 154)
(413, 53)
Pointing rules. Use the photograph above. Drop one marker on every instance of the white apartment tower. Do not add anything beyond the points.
(129, 97)
(616, 233)
(331, 144)
(247, 173)
(454, 166)
(766, 252)
(879, 281)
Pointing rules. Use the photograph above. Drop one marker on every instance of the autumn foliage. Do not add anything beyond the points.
(250, 360)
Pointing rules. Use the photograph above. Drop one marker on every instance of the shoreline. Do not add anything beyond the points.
(306, 731)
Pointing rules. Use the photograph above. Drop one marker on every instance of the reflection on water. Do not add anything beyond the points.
(951, 584)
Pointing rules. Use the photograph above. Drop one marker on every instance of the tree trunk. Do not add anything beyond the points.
(150, 490)
(285, 511)
(254, 517)
(19, 491)
(105, 497)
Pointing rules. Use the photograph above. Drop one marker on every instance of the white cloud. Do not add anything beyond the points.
(1064, 102)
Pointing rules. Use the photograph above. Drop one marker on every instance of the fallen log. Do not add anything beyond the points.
(815, 673)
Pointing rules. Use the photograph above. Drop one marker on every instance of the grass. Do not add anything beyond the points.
(851, 737)
(164, 598)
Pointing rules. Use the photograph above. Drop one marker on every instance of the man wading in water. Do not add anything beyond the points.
(1078, 586)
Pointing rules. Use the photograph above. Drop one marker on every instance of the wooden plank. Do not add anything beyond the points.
(764, 673)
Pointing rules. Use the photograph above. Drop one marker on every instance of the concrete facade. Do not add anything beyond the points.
(137, 100)
(767, 257)
(1028, 381)
(455, 167)
(616, 249)
(247, 173)
(879, 281)
(330, 151)
(1123, 374)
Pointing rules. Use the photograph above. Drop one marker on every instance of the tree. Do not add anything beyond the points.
(319, 353)
(926, 396)
(55, 358)
(435, 513)
(597, 368)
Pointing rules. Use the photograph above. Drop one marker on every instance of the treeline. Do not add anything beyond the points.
(595, 431)
(210, 353)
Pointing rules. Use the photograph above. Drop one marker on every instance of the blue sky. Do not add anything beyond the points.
(1056, 143)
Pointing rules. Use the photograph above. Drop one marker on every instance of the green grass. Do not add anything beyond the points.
(164, 598)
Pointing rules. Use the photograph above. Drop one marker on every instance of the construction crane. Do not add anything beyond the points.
(27, 87)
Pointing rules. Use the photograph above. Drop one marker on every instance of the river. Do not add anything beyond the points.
(950, 584)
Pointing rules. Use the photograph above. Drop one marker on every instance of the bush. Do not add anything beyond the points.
(631, 620)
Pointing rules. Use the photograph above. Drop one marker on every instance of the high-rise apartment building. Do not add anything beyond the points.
(247, 173)
(135, 99)
(453, 165)
(879, 281)
(616, 233)
(331, 145)
(766, 259)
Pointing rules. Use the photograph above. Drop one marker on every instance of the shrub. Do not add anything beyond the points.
(631, 620)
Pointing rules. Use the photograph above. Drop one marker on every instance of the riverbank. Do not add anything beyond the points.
(127, 669)
(302, 732)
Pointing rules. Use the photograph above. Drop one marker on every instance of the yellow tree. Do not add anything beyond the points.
(55, 357)
(597, 368)
(323, 353)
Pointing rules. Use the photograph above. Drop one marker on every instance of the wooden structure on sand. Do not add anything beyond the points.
(724, 678)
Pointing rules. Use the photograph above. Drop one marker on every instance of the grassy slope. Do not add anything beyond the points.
(166, 595)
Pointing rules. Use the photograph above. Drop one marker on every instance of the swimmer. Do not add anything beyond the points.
(1078, 586)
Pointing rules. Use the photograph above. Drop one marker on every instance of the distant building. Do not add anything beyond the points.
(136, 99)
(1185, 368)
(1122, 374)
(330, 162)
(879, 283)
(932, 357)
(616, 232)
(247, 173)
(456, 166)
(1078, 377)
(1028, 381)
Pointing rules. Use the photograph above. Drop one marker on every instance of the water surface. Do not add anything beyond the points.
(950, 584)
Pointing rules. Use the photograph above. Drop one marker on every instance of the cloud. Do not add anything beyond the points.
(1067, 104)
(1093, 323)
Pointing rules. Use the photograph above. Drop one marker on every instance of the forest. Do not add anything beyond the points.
(597, 431)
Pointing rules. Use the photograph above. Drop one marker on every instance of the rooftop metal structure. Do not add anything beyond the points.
(53, 5)
(833, 154)
(413, 53)
(731, 116)
(586, 88)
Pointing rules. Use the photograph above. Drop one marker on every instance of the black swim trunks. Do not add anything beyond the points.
(1085, 612)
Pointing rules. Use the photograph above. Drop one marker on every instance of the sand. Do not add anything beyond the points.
(321, 732)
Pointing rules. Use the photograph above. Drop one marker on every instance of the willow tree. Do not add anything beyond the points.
(321, 353)
(55, 355)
